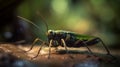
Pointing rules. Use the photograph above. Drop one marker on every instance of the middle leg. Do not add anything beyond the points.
(63, 41)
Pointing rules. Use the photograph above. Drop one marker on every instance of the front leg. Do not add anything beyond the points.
(39, 50)
(50, 44)
(37, 39)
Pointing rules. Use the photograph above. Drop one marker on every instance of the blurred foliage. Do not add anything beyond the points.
(92, 17)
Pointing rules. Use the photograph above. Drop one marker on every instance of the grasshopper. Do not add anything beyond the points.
(67, 39)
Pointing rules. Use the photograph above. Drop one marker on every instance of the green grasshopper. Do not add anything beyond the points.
(67, 39)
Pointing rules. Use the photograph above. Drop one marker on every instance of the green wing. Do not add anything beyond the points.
(84, 37)
(77, 36)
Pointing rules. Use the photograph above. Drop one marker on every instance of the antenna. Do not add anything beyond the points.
(34, 23)
(39, 14)
(28, 21)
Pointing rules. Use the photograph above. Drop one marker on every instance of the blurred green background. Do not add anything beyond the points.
(100, 18)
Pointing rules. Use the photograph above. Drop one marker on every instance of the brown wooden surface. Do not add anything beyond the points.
(77, 57)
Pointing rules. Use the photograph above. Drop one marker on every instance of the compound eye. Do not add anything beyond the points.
(50, 32)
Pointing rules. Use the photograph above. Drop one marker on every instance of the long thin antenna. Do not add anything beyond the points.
(39, 14)
(29, 21)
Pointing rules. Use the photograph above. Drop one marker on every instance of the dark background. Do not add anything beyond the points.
(91, 17)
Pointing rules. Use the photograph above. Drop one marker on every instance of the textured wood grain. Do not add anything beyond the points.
(75, 58)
